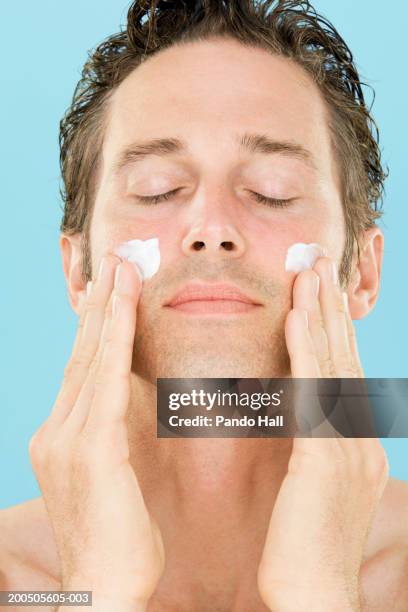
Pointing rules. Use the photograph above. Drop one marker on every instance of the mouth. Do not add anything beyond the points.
(198, 298)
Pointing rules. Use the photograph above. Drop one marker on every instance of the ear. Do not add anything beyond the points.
(364, 286)
(72, 266)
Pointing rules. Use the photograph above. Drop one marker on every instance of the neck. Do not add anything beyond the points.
(207, 494)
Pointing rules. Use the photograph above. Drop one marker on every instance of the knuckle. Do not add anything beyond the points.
(81, 325)
(320, 325)
(101, 379)
(91, 305)
(43, 452)
(93, 364)
(36, 447)
(378, 466)
(74, 364)
(109, 342)
(327, 365)
(343, 362)
(339, 309)
(84, 357)
(79, 361)
(68, 370)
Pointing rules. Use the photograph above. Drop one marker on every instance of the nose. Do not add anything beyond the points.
(214, 234)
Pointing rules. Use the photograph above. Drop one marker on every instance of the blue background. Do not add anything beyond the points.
(44, 47)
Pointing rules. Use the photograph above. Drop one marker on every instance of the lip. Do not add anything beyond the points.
(199, 297)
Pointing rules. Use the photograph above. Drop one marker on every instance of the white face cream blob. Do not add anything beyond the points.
(144, 253)
(301, 256)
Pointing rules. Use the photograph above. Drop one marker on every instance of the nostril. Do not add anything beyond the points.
(197, 246)
(228, 246)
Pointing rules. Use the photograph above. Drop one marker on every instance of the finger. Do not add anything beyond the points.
(112, 378)
(86, 343)
(352, 339)
(76, 419)
(334, 317)
(303, 361)
(82, 311)
(306, 297)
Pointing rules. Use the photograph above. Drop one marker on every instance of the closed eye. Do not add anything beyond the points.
(157, 198)
(274, 202)
(161, 197)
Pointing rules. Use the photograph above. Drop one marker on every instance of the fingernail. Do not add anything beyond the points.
(88, 288)
(334, 274)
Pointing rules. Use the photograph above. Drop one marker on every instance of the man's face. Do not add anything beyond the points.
(208, 95)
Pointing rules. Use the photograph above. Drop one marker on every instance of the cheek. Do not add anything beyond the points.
(268, 249)
(269, 245)
(111, 227)
(326, 230)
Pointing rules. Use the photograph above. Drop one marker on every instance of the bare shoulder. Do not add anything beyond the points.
(384, 574)
(28, 556)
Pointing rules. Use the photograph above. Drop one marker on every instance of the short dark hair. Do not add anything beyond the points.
(287, 28)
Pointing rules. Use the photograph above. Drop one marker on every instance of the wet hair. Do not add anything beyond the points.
(287, 28)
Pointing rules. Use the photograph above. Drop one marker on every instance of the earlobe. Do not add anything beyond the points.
(364, 287)
(72, 267)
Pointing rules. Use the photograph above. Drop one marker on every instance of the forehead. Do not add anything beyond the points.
(206, 91)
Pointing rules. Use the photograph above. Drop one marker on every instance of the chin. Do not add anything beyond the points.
(196, 365)
(162, 351)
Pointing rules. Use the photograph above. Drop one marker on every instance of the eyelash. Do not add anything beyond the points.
(273, 202)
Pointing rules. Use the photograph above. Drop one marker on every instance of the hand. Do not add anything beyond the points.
(324, 509)
(327, 346)
(106, 539)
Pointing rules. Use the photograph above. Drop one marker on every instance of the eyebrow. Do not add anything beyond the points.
(254, 143)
